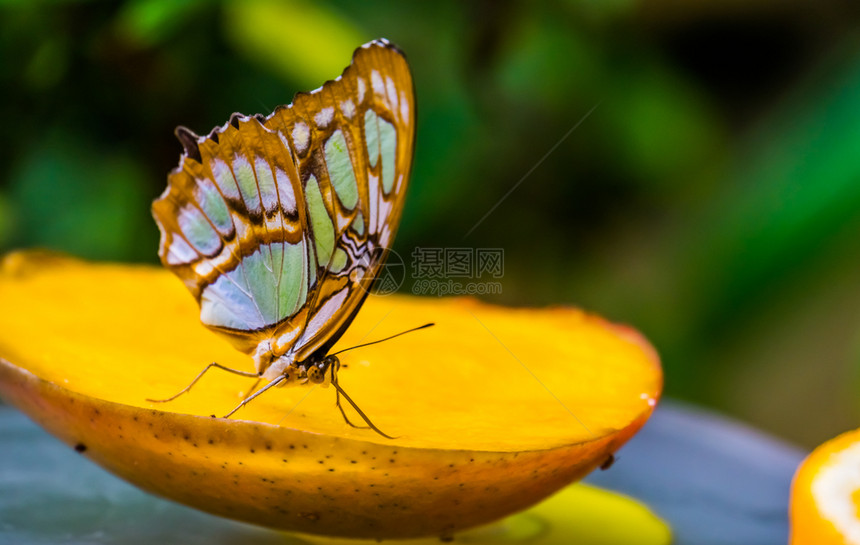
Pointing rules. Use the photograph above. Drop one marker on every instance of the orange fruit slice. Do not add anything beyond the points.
(825, 494)
(493, 409)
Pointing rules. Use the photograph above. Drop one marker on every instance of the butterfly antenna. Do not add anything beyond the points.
(341, 392)
(385, 339)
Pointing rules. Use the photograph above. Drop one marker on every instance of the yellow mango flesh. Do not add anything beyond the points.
(493, 408)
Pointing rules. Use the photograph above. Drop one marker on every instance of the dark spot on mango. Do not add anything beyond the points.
(608, 462)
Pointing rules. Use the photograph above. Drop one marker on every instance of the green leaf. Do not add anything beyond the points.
(80, 201)
(146, 23)
(306, 42)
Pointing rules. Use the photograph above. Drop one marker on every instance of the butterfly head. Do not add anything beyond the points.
(315, 370)
(324, 370)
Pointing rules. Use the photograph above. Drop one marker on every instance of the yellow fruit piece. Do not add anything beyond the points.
(493, 408)
(825, 494)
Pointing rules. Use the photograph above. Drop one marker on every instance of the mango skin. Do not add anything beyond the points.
(300, 481)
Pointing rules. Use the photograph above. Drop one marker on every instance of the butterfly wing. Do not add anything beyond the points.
(358, 152)
(279, 225)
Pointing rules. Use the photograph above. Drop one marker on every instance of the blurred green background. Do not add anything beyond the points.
(712, 199)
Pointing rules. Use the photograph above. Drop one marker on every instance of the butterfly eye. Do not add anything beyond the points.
(316, 373)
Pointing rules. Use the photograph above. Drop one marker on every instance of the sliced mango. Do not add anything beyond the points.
(493, 408)
(825, 494)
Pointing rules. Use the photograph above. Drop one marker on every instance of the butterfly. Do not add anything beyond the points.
(279, 225)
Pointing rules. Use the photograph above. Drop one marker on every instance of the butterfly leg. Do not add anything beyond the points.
(199, 376)
(254, 387)
(341, 392)
(332, 363)
(317, 372)
(343, 412)
(248, 399)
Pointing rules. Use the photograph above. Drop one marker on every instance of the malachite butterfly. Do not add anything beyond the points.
(279, 225)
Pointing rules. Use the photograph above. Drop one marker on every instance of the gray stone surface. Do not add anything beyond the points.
(717, 482)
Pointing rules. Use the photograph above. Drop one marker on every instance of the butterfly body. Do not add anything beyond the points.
(278, 225)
